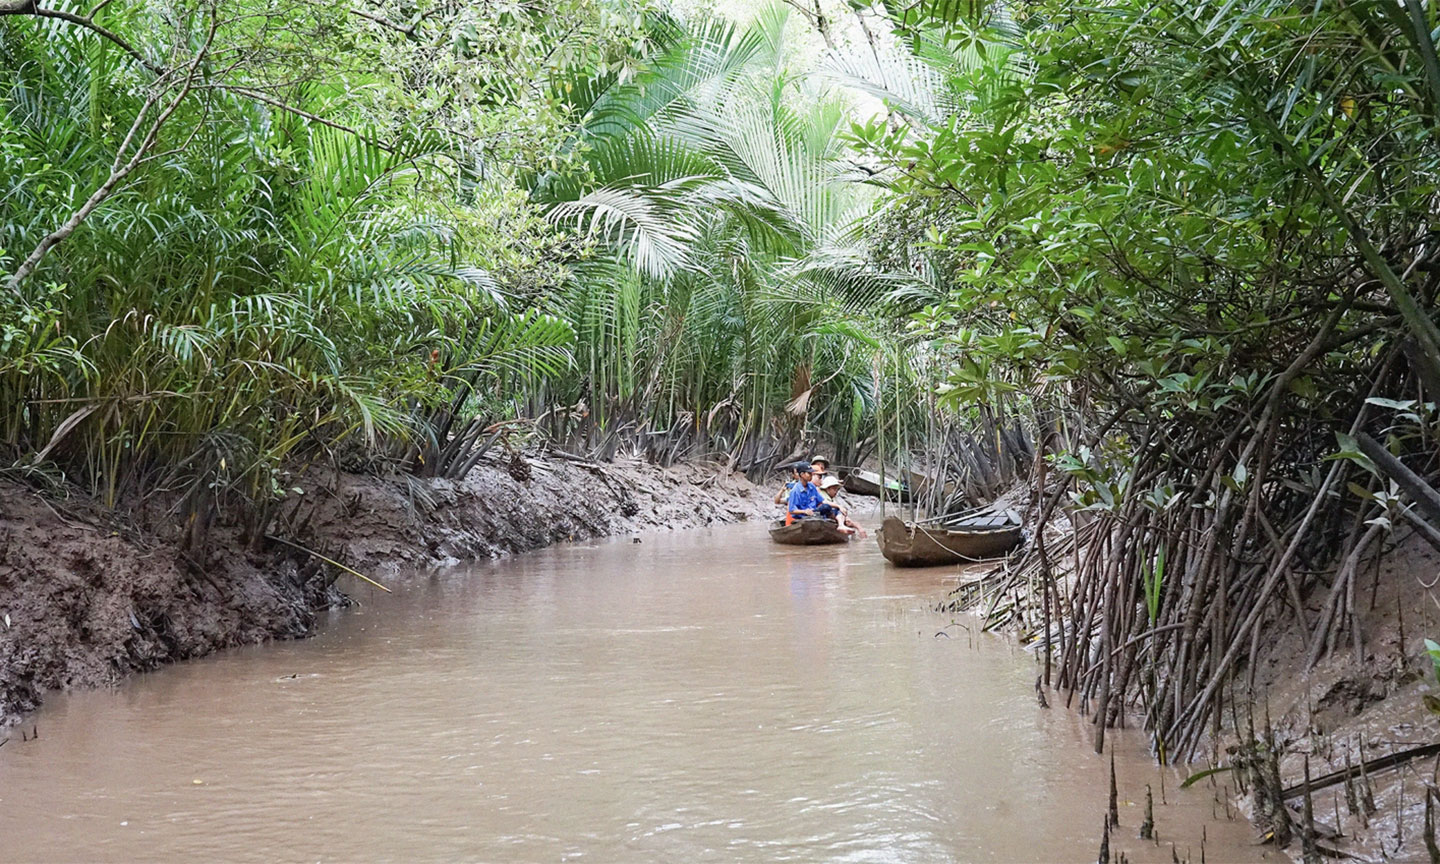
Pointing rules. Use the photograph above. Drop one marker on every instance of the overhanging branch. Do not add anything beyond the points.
(299, 112)
(30, 9)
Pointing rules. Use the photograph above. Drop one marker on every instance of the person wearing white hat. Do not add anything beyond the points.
(830, 488)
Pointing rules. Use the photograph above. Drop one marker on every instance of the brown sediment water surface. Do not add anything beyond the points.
(700, 696)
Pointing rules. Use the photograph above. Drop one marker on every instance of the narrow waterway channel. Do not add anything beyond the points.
(700, 696)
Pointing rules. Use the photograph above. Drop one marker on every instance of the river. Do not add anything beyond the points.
(699, 696)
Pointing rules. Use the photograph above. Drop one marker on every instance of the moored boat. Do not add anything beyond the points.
(868, 483)
(975, 539)
(921, 481)
(808, 532)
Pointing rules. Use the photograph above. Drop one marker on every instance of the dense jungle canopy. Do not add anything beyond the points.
(1173, 261)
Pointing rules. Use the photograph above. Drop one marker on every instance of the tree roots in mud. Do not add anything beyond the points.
(1173, 581)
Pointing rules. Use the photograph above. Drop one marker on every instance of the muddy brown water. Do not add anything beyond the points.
(700, 696)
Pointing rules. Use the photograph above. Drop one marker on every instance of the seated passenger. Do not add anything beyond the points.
(805, 499)
(784, 494)
(820, 467)
(831, 489)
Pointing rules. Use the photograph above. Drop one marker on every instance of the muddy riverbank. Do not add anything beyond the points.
(1359, 696)
(89, 596)
(1362, 701)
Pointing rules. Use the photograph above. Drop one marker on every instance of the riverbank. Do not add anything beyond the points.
(89, 596)
(1333, 698)
(1362, 702)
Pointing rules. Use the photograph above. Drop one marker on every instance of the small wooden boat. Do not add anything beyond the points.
(923, 486)
(868, 483)
(974, 539)
(807, 532)
(920, 481)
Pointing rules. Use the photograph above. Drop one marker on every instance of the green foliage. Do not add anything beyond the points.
(267, 288)
(1195, 238)
(1125, 222)
(367, 234)
(1154, 585)
(1432, 704)
(732, 299)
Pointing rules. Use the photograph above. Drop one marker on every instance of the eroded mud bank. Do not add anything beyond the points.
(88, 596)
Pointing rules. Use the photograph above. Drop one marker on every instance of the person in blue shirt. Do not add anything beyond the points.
(805, 499)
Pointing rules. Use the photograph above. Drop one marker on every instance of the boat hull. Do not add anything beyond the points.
(868, 483)
(807, 532)
(917, 546)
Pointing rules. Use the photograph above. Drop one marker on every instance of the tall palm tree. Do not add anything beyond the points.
(718, 188)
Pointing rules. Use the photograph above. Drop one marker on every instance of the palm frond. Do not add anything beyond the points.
(643, 224)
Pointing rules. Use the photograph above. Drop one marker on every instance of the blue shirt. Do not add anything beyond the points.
(805, 497)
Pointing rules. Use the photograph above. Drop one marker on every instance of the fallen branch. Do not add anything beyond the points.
(352, 571)
(1382, 763)
(1422, 493)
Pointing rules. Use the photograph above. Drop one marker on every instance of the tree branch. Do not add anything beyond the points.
(300, 112)
(384, 22)
(119, 171)
(28, 8)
